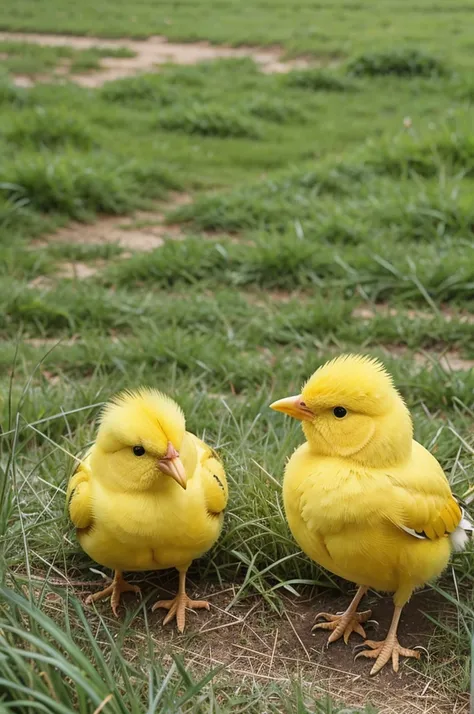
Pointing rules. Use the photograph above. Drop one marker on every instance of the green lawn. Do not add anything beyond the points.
(318, 197)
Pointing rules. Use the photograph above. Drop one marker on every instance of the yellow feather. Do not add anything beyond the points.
(78, 497)
(455, 511)
(451, 515)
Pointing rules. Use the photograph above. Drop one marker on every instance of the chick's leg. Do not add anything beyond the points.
(387, 649)
(115, 589)
(345, 624)
(177, 606)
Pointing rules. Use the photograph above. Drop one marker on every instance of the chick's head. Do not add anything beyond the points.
(350, 408)
(138, 442)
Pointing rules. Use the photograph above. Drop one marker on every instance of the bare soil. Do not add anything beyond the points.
(368, 313)
(45, 341)
(448, 360)
(149, 55)
(273, 296)
(254, 643)
(119, 230)
(142, 232)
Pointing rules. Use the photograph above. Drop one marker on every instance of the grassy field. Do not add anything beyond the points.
(306, 214)
(26, 58)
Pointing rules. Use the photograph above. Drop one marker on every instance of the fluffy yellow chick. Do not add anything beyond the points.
(363, 499)
(149, 495)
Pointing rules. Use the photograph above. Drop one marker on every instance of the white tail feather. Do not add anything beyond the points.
(462, 534)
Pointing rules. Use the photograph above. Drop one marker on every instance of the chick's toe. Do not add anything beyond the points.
(384, 650)
(177, 608)
(343, 625)
(114, 590)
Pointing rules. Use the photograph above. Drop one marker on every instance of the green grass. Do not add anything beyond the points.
(314, 194)
(316, 80)
(326, 29)
(401, 63)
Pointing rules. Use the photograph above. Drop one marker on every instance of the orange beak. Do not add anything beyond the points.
(171, 465)
(294, 407)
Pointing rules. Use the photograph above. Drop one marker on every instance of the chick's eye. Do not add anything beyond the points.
(339, 412)
(138, 450)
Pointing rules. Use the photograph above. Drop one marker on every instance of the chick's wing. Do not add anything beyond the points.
(78, 497)
(421, 498)
(332, 496)
(213, 479)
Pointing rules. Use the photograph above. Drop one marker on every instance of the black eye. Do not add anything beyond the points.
(138, 450)
(339, 412)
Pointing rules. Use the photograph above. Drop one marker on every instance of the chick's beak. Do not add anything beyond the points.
(172, 465)
(294, 407)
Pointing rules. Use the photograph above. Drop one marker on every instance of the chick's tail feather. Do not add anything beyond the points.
(463, 533)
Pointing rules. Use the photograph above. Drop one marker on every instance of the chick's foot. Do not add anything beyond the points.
(385, 650)
(114, 590)
(177, 608)
(345, 623)
(342, 625)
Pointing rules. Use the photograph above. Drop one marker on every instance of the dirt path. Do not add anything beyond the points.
(149, 54)
(143, 231)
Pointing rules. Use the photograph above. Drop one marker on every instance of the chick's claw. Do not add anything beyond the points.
(114, 590)
(342, 625)
(385, 650)
(177, 608)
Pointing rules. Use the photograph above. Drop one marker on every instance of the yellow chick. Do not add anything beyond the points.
(363, 499)
(148, 496)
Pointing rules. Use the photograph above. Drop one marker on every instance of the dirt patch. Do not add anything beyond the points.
(270, 296)
(42, 282)
(50, 341)
(22, 80)
(75, 270)
(143, 231)
(69, 270)
(367, 313)
(255, 644)
(448, 360)
(151, 53)
(115, 230)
